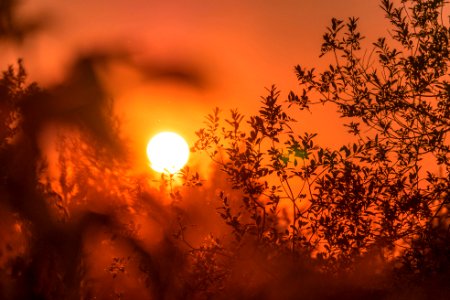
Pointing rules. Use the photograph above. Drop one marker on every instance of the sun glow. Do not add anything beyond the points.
(168, 152)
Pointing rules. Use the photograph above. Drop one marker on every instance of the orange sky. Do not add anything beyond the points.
(240, 47)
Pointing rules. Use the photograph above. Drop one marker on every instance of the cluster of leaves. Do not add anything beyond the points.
(208, 272)
(400, 98)
(13, 91)
(389, 189)
(260, 163)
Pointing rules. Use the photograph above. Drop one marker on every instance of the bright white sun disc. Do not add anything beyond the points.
(167, 152)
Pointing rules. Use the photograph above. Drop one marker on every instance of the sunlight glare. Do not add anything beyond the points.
(167, 152)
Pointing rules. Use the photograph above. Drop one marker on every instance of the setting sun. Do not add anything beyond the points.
(167, 152)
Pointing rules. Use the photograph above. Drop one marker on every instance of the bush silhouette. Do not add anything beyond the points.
(385, 194)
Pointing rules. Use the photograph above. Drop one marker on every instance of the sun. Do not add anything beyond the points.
(168, 152)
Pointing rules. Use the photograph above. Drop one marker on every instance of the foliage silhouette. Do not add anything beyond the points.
(296, 214)
(387, 192)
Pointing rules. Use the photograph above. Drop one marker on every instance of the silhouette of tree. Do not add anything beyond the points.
(387, 192)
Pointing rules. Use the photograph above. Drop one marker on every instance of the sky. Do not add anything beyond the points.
(236, 48)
